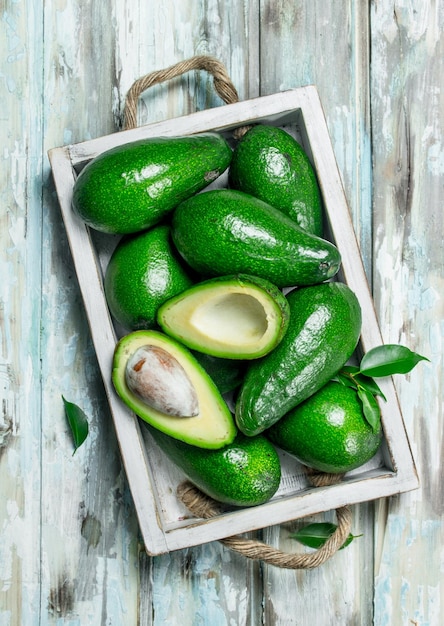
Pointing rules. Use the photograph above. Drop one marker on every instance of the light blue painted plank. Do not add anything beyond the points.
(20, 269)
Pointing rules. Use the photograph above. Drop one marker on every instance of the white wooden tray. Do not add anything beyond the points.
(164, 521)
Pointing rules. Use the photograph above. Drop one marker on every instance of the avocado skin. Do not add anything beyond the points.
(134, 186)
(313, 434)
(227, 374)
(324, 329)
(270, 164)
(246, 472)
(143, 272)
(225, 231)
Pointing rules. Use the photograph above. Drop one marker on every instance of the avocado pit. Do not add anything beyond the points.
(161, 382)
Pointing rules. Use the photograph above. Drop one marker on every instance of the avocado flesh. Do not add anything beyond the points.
(213, 426)
(237, 317)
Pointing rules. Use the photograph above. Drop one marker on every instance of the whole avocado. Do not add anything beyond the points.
(324, 329)
(246, 472)
(328, 431)
(270, 164)
(133, 186)
(144, 271)
(225, 231)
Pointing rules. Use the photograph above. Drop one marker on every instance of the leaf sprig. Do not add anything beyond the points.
(78, 422)
(385, 360)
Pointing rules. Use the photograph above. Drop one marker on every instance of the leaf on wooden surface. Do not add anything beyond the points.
(316, 534)
(78, 422)
(389, 359)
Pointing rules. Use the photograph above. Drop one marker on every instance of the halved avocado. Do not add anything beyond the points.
(163, 383)
(236, 317)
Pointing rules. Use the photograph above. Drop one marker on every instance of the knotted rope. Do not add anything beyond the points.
(198, 503)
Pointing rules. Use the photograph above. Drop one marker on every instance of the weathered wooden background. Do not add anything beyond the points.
(69, 546)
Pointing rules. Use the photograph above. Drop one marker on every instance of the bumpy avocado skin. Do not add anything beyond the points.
(270, 164)
(324, 329)
(244, 473)
(328, 431)
(144, 271)
(227, 374)
(225, 231)
(134, 186)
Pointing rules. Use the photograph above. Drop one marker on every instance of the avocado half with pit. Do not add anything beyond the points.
(236, 317)
(161, 381)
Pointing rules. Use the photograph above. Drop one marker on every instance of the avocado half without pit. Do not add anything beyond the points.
(162, 383)
(236, 317)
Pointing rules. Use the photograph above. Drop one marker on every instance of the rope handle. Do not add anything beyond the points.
(205, 507)
(222, 84)
(197, 502)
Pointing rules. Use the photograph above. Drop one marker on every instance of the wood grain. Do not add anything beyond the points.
(407, 53)
(88, 526)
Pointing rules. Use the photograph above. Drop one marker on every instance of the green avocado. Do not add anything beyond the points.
(236, 317)
(246, 472)
(270, 164)
(132, 187)
(225, 231)
(161, 381)
(144, 271)
(328, 431)
(227, 374)
(324, 329)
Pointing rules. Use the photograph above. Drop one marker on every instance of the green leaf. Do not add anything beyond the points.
(350, 369)
(389, 359)
(77, 421)
(344, 379)
(369, 384)
(316, 534)
(370, 408)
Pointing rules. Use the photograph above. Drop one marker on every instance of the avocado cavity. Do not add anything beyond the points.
(238, 317)
(212, 318)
